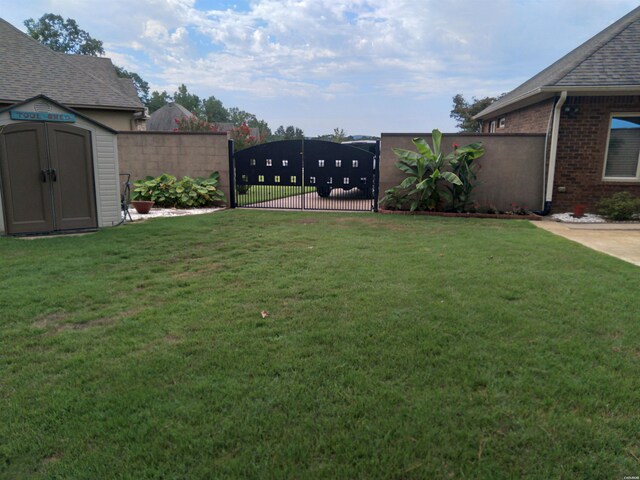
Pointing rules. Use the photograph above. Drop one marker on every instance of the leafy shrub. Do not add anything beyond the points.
(242, 189)
(395, 198)
(194, 124)
(434, 180)
(167, 191)
(620, 206)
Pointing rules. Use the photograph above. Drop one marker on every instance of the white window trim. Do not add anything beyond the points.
(635, 179)
(492, 126)
(502, 122)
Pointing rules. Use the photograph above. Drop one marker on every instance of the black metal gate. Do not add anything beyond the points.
(306, 175)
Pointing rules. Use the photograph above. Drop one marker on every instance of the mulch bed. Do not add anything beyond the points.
(502, 216)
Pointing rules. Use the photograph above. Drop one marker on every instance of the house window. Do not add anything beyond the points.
(502, 122)
(492, 126)
(623, 148)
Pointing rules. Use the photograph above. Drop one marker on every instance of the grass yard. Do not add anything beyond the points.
(265, 193)
(395, 347)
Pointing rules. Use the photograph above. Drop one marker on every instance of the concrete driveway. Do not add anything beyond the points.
(621, 240)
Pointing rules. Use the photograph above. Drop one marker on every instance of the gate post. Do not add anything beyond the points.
(232, 175)
(376, 177)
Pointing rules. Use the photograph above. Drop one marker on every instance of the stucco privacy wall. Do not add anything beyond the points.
(511, 170)
(178, 154)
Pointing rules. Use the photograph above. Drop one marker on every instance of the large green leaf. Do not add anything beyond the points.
(423, 147)
(451, 178)
(408, 169)
(406, 154)
(407, 182)
(436, 137)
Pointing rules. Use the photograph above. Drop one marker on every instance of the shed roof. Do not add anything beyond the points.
(610, 60)
(28, 69)
(59, 105)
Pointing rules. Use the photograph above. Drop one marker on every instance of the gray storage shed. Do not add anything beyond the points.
(58, 170)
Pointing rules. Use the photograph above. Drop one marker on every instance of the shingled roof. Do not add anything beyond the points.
(164, 119)
(28, 69)
(610, 60)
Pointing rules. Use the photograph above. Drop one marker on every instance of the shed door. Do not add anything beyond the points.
(26, 192)
(47, 178)
(71, 177)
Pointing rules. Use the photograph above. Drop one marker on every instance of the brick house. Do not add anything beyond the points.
(588, 105)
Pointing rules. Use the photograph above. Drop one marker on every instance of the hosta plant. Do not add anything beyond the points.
(167, 191)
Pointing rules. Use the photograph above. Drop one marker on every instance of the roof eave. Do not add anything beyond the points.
(11, 101)
(543, 93)
(107, 107)
(496, 110)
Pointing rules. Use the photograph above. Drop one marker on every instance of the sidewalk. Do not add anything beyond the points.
(621, 240)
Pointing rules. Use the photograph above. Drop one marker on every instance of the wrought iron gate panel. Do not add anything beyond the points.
(306, 174)
(270, 176)
(343, 176)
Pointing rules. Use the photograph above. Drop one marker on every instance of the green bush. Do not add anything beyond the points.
(167, 191)
(435, 181)
(620, 206)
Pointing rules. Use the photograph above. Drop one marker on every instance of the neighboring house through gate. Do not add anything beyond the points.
(588, 104)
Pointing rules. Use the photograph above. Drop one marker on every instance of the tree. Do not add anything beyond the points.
(238, 117)
(463, 111)
(263, 128)
(242, 138)
(338, 135)
(63, 36)
(214, 110)
(193, 124)
(289, 133)
(142, 87)
(188, 100)
(158, 100)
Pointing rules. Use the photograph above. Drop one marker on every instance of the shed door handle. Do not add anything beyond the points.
(53, 175)
(43, 176)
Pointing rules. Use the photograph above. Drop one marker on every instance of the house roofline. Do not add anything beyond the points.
(11, 101)
(544, 93)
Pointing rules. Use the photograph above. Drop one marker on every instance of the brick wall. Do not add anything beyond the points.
(178, 154)
(531, 119)
(582, 146)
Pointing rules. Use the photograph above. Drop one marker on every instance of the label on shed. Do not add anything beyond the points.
(43, 116)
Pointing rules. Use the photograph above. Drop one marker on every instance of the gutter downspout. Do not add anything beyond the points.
(554, 152)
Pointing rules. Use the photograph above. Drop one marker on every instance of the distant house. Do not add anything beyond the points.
(87, 84)
(166, 118)
(588, 105)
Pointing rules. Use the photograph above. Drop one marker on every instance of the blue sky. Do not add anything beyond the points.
(367, 66)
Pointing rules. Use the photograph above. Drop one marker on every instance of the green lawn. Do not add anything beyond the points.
(265, 193)
(395, 347)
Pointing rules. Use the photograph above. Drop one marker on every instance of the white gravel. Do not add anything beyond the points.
(586, 218)
(169, 212)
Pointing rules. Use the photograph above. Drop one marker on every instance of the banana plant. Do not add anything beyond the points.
(426, 171)
(462, 164)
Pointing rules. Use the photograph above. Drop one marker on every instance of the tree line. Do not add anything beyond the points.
(65, 36)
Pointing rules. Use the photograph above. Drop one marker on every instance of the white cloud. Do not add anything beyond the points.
(337, 51)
